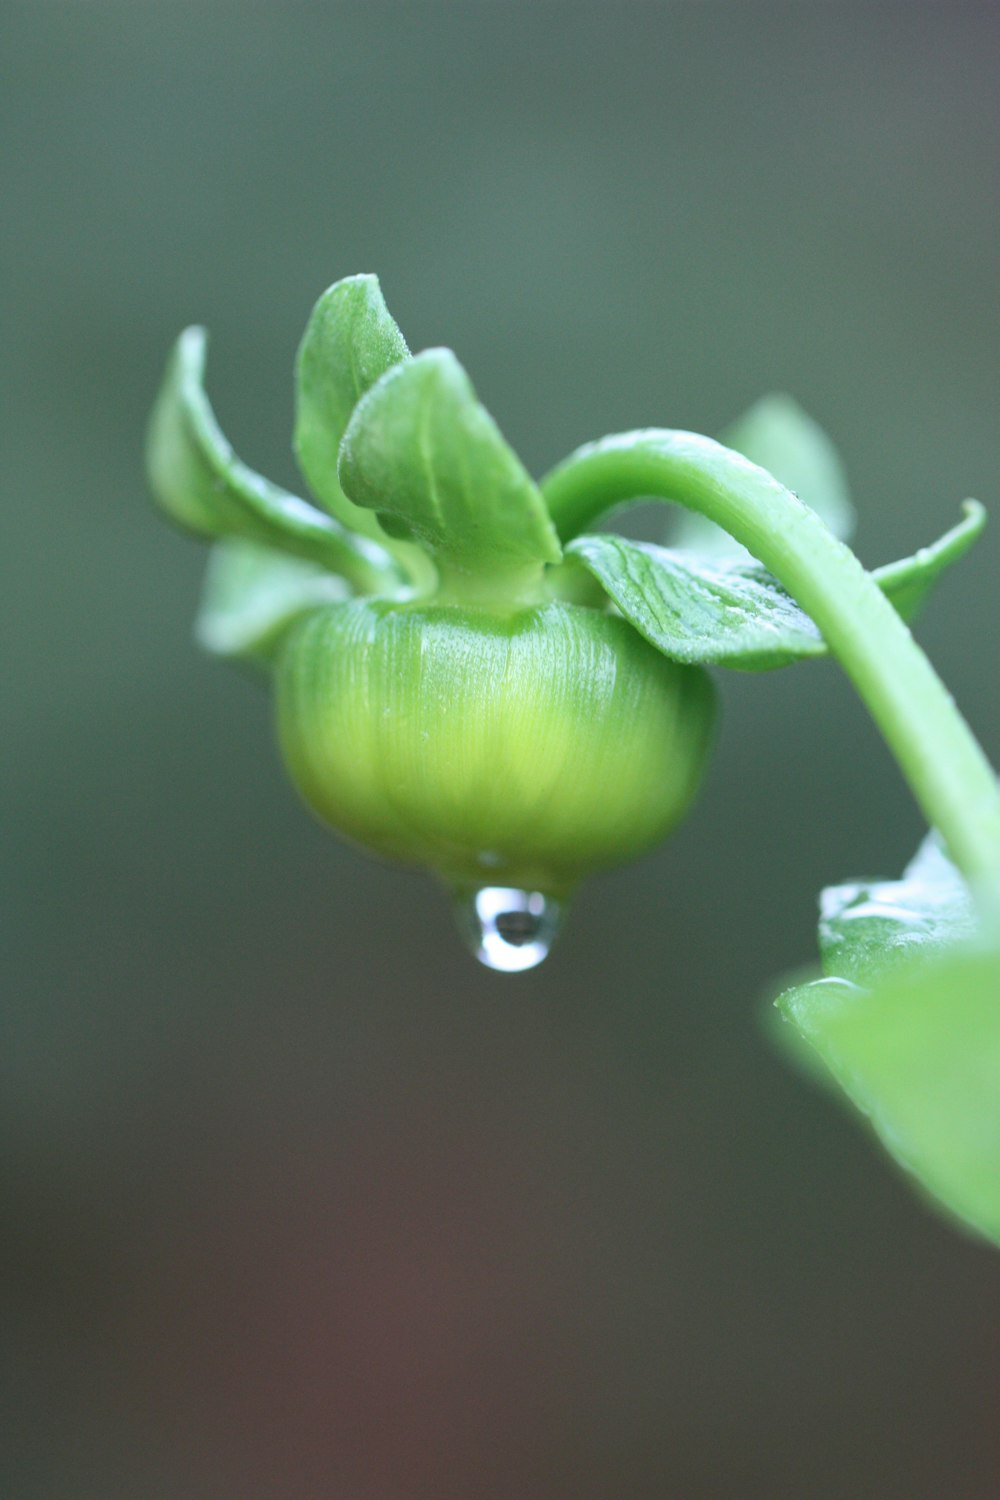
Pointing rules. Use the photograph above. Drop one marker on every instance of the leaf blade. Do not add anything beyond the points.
(907, 1023)
(920, 1057)
(695, 612)
(350, 341)
(423, 453)
(200, 483)
(252, 596)
(868, 929)
(733, 613)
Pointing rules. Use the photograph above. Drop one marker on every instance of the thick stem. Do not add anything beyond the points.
(949, 775)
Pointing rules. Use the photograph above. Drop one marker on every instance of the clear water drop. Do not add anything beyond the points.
(508, 929)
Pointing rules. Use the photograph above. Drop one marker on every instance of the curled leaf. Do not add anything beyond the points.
(202, 485)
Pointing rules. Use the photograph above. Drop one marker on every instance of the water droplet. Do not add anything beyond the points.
(507, 929)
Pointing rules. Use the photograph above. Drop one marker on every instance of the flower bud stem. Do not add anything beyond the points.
(939, 756)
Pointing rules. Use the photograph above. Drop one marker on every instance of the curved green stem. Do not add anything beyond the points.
(947, 771)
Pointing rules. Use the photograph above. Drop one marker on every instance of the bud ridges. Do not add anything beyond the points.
(525, 750)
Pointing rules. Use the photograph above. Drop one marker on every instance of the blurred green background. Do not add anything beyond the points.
(299, 1202)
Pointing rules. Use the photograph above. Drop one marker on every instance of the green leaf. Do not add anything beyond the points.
(734, 613)
(429, 459)
(909, 582)
(780, 437)
(349, 342)
(907, 1022)
(253, 595)
(869, 928)
(920, 1056)
(202, 485)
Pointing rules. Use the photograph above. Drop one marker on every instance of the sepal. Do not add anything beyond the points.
(349, 342)
(204, 487)
(423, 453)
(252, 596)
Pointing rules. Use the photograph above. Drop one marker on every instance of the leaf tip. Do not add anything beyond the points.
(443, 365)
(346, 285)
(190, 351)
(976, 515)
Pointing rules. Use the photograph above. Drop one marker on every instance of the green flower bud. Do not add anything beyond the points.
(520, 751)
(453, 690)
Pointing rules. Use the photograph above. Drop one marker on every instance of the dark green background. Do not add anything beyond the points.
(299, 1202)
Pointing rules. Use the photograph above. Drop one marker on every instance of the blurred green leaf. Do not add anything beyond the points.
(429, 459)
(920, 1056)
(783, 439)
(202, 485)
(869, 928)
(907, 1022)
(252, 595)
(734, 613)
(909, 582)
